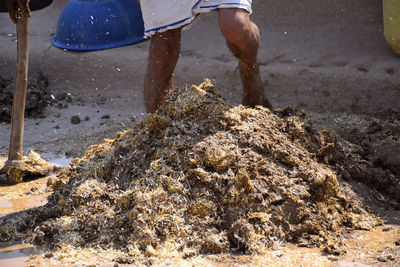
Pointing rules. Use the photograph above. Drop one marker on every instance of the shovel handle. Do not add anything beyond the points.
(21, 82)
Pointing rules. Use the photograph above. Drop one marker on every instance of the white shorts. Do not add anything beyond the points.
(162, 15)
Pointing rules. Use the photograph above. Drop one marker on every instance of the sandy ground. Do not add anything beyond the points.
(328, 57)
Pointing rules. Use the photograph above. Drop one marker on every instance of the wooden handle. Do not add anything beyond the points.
(21, 82)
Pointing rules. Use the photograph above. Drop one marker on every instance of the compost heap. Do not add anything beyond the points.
(198, 176)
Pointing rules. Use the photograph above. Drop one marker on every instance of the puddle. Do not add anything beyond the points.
(25, 189)
(8, 206)
(16, 255)
(59, 160)
(30, 193)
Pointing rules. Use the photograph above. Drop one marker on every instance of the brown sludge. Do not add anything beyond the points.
(200, 176)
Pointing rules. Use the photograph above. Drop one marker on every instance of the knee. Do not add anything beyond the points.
(237, 28)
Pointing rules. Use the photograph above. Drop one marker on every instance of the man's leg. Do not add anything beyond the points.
(163, 56)
(243, 39)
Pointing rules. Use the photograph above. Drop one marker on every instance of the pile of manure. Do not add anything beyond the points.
(199, 176)
(37, 97)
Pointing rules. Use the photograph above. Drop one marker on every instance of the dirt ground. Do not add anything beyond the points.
(328, 58)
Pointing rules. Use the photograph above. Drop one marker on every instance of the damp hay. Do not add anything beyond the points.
(29, 166)
(199, 176)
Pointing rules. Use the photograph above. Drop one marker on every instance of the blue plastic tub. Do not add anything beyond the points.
(99, 24)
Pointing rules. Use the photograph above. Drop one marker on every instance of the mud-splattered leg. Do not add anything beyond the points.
(163, 56)
(243, 39)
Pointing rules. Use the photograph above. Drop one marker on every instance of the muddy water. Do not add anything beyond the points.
(30, 193)
(16, 255)
(22, 190)
(8, 206)
(16, 198)
(59, 160)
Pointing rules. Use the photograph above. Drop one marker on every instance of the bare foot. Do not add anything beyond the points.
(253, 89)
